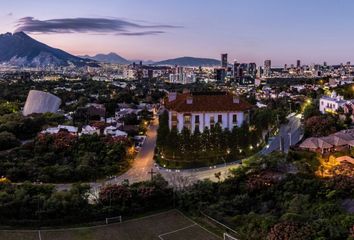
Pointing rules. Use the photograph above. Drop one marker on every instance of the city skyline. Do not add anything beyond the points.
(157, 30)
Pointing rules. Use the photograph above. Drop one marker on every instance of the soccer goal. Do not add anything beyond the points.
(113, 219)
(229, 237)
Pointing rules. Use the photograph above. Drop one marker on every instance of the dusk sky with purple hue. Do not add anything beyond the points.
(249, 30)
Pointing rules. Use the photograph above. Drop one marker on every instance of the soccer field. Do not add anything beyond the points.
(171, 225)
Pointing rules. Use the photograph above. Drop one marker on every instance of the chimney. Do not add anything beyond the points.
(236, 99)
(189, 100)
(172, 96)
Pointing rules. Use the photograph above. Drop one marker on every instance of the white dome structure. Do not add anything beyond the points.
(41, 102)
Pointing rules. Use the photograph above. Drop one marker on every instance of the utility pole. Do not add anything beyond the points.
(152, 173)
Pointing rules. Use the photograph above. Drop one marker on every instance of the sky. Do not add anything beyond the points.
(313, 31)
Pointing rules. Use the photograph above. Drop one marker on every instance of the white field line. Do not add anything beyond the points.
(104, 225)
(181, 229)
(89, 227)
(214, 220)
(39, 235)
(198, 225)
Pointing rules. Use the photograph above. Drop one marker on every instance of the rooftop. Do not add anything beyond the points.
(207, 102)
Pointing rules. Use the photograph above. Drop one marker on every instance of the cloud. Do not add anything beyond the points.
(10, 14)
(90, 25)
(140, 33)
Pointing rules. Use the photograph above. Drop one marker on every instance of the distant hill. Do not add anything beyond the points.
(108, 58)
(21, 50)
(190, 61)
(145, 62)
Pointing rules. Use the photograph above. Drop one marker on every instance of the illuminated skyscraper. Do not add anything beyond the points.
(237, 72)
(267, 68)
(224, 60)
(298, 64)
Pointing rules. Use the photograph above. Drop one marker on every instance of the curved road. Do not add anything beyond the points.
(144, 161)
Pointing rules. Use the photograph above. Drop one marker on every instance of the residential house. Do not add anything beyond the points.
(205, 110)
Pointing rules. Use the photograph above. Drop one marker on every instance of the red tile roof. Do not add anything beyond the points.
(207, 102)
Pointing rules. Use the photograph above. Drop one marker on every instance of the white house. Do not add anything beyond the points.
(89, 130)
(114, 131)
(331, 103)
(125, 111)
(53, 130)
(204, 110)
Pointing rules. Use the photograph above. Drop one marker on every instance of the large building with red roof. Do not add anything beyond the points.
(205, 109)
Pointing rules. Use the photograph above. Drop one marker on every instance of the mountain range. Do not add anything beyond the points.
(190, 61)
(21, 50)
(108, 58)
(181, 61)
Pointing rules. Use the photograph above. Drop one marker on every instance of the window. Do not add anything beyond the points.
(196, 122)
(174, 116)
(234, 118)
(174, 119)
(187, 118)
(219, 118)
(212, 122)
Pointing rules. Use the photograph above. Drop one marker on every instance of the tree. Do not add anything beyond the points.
(131, 119)
(116, 194)
(311, 110)
(290, 231)
(8, 140)
(318, 126)
(185, 142)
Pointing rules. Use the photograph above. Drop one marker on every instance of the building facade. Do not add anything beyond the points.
(205, 110)
(182, 76)
(41, 102)
(331, 103)
(224, 62)
(267, 68)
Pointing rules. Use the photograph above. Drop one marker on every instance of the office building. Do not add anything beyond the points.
(224, 60)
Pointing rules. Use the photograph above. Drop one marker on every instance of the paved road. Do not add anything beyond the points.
(290, 133)
(144, 161)
(141, 165)
(290, 130)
